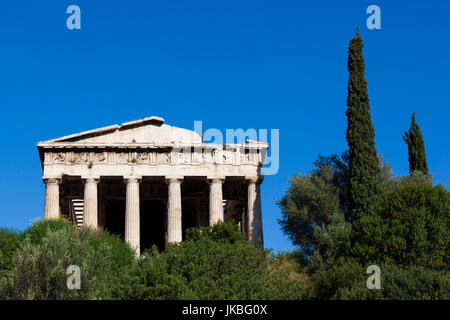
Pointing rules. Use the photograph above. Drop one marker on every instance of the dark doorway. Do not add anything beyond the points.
(115, 217)
(153, 226)
(188, 218)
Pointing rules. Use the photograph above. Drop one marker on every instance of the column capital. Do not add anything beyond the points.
(132, 179)
(174, 179)
(52, 180)
(90, 179)
(254, 179)
(215, 179)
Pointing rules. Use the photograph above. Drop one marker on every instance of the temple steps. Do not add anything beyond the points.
(78, 210)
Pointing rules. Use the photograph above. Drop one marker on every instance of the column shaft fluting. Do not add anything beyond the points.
(90, 216)
(174, 224)
(51, 207)
(215, 201)
(132, 214)
(254, 214)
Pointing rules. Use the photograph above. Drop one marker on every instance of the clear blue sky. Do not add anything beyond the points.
(233, 64)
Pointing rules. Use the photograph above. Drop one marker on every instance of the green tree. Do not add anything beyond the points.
(364, 182)
(331, 241)
(308, 203)
(314, 209)
(410, 227)
(416, 148)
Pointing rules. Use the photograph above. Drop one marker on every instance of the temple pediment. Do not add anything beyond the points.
(150, 130)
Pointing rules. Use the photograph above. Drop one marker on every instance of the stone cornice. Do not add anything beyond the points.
(88, 145)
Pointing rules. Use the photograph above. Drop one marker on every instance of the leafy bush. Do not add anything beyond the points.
(50, 247)
(10, 240)
(39, 229)
(122, 256)
(416, 177)
(412, 283)
(212, 263)
(326, 282)
(347, 280)
(331, 242)
(410, 228)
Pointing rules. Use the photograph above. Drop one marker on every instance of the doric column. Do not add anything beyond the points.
(254, 214)
(132, 217)
(215, 200)
(51, 209)
(90, 215)
(174, 227)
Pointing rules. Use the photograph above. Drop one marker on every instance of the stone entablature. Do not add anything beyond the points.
(139, 155)
(202, 160)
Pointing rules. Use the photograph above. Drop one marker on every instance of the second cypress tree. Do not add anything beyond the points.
(416, 148)
(364, 183)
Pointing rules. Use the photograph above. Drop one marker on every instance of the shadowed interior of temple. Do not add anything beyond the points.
(153, 195)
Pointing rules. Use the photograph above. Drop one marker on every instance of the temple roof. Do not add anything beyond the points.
(151, 130)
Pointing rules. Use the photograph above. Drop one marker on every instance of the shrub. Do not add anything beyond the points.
(212, 263)
(122, 256)
(347, 280)
(220, 232)
(149, 279)
(37, 231)
(410, 228)
(10, 240)
(331, 242)
(50, 247)
(416, 177)
(326, 282)
(40, 269)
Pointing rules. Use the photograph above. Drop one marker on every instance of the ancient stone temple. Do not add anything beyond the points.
(148, 181)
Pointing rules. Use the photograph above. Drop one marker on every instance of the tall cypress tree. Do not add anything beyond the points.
(364, 183)
(416, 148)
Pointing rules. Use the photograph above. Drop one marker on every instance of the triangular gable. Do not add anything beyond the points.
(150, 130)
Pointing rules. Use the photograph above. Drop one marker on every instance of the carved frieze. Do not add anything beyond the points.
(122, 157)
(186, 156)
(80, 157)
(227, 157)
(142, 157)
(101, 157)
(207, 156)
(162, 158)
(60, 157)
